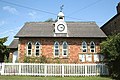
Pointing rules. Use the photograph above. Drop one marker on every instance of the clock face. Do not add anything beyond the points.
(60, 27)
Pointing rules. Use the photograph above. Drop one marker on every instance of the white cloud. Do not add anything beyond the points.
(2, 22)
(10, 9)
(33, 14)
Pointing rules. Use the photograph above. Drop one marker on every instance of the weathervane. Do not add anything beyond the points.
(61, 8)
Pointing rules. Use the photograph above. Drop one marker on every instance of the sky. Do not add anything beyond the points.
(15, 13)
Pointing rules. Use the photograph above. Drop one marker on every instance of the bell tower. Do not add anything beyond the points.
(60, 25)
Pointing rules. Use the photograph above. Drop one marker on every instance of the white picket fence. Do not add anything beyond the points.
(35, 69)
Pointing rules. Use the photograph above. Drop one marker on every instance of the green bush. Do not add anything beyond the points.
(41, 59)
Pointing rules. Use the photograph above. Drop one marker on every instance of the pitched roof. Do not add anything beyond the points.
(46, 29)
(14, 44)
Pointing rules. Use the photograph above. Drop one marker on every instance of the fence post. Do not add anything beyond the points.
(86, 70)
(62, 70)
(19, 69)
(45, 70)
(2, 69)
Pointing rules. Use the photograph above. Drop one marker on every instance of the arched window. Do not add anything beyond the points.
(56, 49)
(37, 49)
(84, 46)
(92, 46)
(64, 49)
(29, 49)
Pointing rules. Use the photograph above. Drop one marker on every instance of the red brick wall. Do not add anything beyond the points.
(47, 48)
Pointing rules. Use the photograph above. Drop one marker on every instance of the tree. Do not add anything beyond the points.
(3, 48)
(49, 20)
(111, 49)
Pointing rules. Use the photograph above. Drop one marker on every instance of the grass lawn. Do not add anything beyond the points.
(51, 78)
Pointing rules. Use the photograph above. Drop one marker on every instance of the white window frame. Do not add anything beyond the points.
(29, 49)
(82, 57)
(56, 49)
(92, 48)
(84, 44)
(88, 57)
(96, 57)
(37, 48)
(64, 49)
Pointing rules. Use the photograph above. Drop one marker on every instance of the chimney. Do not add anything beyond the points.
(118, 8)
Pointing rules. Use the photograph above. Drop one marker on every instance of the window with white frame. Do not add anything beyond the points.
(37, 49)
(92, 46)
(82, 57)
(88, 57)
(64, 48)
(29, 49)
(96, 58)
(56, 49)
(84, 46)
(102, 57)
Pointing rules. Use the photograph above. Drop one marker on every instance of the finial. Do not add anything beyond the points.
(61, 8)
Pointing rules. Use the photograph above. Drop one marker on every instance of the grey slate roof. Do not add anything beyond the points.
(14, 44)
(46, 29)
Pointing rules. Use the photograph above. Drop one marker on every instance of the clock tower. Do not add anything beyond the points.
(60, 25)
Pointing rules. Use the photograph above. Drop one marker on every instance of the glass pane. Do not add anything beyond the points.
(56, 46)
(37, 43)
(96, 57)
(89, 57)
(92, 50)
(84, 50)
(82, 57)
(64, 46)
(64, 52)
(29, 47)
(37, 52)
(84, 46)
(37, 47)
(92, 46)
(29, 52)
(56, 52)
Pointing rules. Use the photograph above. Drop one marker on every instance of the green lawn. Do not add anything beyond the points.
(51, 78)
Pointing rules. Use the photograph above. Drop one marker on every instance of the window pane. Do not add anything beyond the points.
(64, 45)
(29, 47)
(89, 57)
(37, 47)
(96, 57)
(101, 57)
(29, 52)
(37, 52)
(92, 50)
(64, 52)
(56, 49)
(56, 46)
(92, 46)
(82, 57)
(84, 50)
(84, 46)
(56, 52)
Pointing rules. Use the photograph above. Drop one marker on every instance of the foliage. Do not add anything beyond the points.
(6, 59)
(49, 20)
(2, 46)
(41, 59)
(111, 49)
(3, 49)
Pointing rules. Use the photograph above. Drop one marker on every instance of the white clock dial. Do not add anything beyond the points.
(61, 27)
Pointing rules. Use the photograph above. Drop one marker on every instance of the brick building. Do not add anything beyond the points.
(113, 25)
(66, 42)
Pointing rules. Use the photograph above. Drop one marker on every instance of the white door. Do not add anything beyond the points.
(15, 56)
